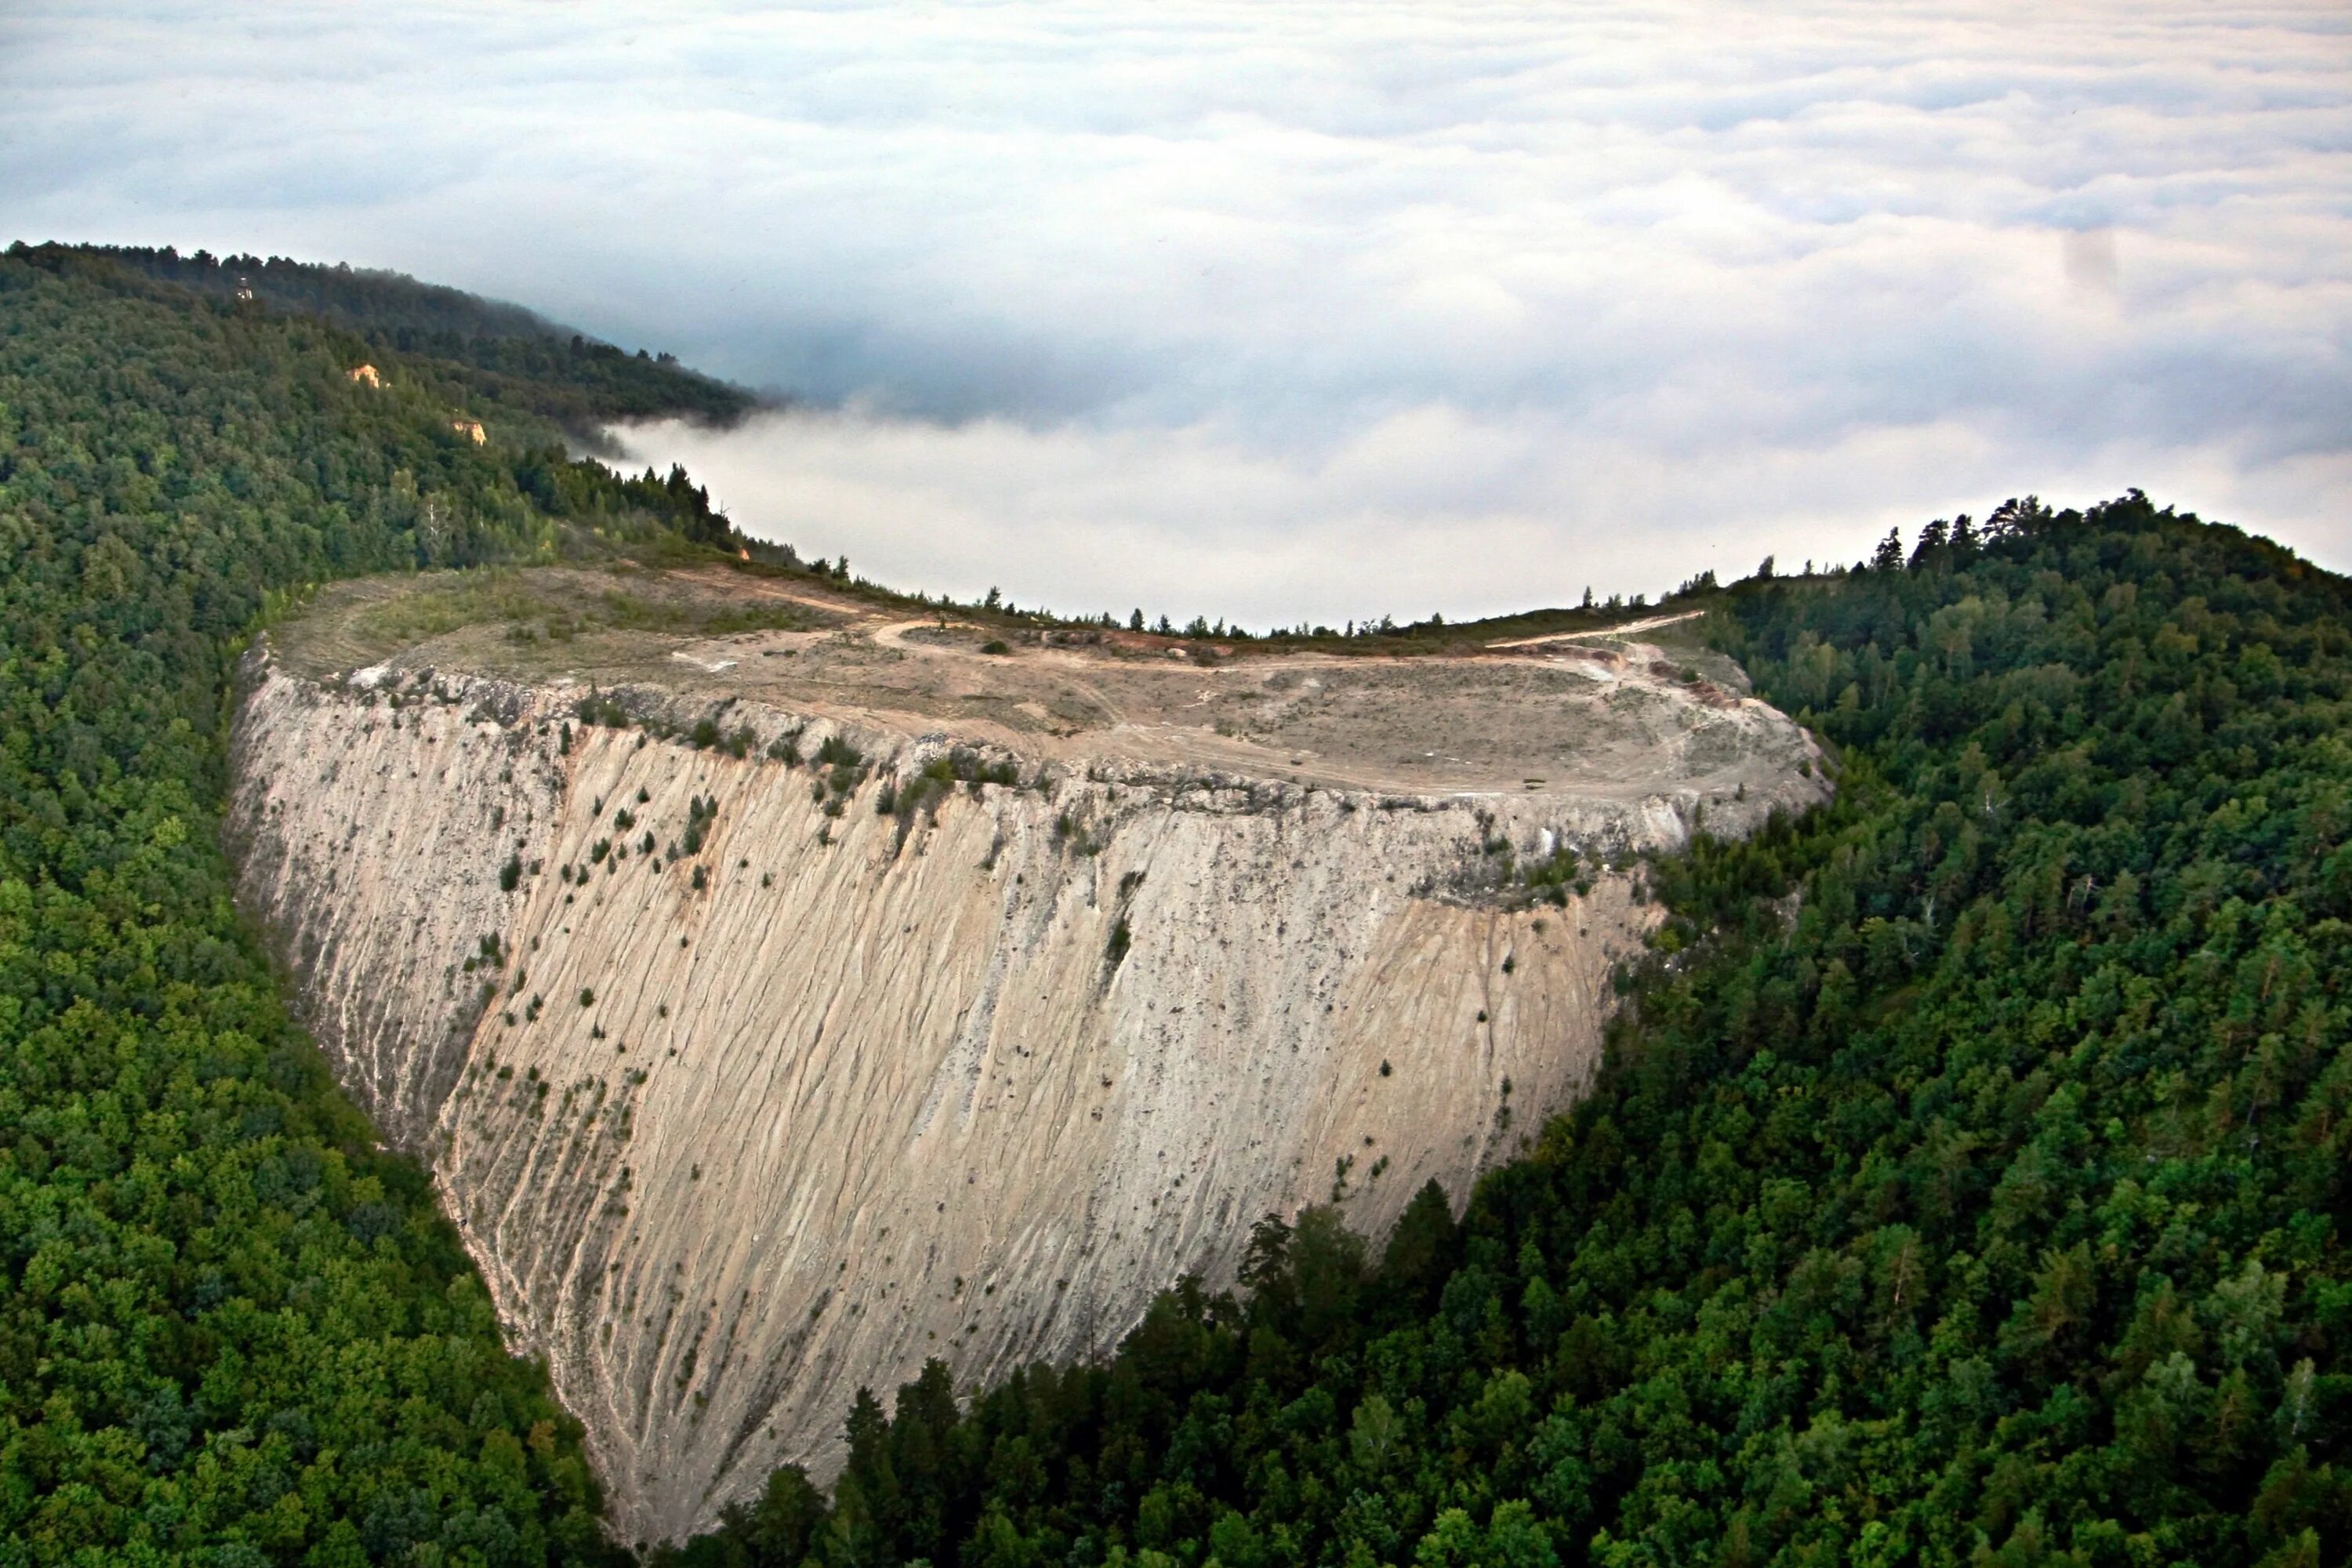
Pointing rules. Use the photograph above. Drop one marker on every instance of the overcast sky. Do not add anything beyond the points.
(1272, 312)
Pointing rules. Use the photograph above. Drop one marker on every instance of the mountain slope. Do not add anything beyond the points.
(1968, 1184)
(751, 1083)
(510, 355)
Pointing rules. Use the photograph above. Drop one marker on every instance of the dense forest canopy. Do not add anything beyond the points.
(510, 354)
(1967, 1180)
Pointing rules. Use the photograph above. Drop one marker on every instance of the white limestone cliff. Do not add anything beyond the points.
(734, 1133)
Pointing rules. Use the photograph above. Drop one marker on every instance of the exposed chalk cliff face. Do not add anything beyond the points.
(379, 900)
(732, 1133)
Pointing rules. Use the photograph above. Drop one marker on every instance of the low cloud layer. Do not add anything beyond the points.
(1426, 510)
(1273, 312)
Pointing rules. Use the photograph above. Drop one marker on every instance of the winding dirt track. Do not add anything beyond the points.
(1586, 714)
(1653, 624)
(1148, 710)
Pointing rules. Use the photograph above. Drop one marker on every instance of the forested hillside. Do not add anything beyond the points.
(509, 355)
(231, 1331)
(1968, 1182)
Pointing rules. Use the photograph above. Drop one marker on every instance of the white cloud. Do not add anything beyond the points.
(1308, 311)
(1429, 509)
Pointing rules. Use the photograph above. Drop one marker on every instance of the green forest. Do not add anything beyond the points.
(508, 353)
(1967, 1180)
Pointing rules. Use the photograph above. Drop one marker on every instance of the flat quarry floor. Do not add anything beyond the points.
(1629, 712)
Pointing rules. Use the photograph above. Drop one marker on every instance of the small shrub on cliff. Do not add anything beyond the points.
(596, 709)
(699, 813)
(1554, 877)
(965, 765)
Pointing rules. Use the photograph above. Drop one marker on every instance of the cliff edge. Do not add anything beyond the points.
(789, 1025)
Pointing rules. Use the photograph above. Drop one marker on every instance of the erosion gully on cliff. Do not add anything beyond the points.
(784, 993)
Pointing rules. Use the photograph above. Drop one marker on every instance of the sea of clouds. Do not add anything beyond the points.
(1273, 312)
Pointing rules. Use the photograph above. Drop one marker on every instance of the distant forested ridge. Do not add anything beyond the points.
(232, 1332)
(1968, 1182)
(511, 354)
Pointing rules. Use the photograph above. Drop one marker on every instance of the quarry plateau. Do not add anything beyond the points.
(784, 991)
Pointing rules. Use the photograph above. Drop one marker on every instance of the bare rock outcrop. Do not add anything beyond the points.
(746, 1090)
